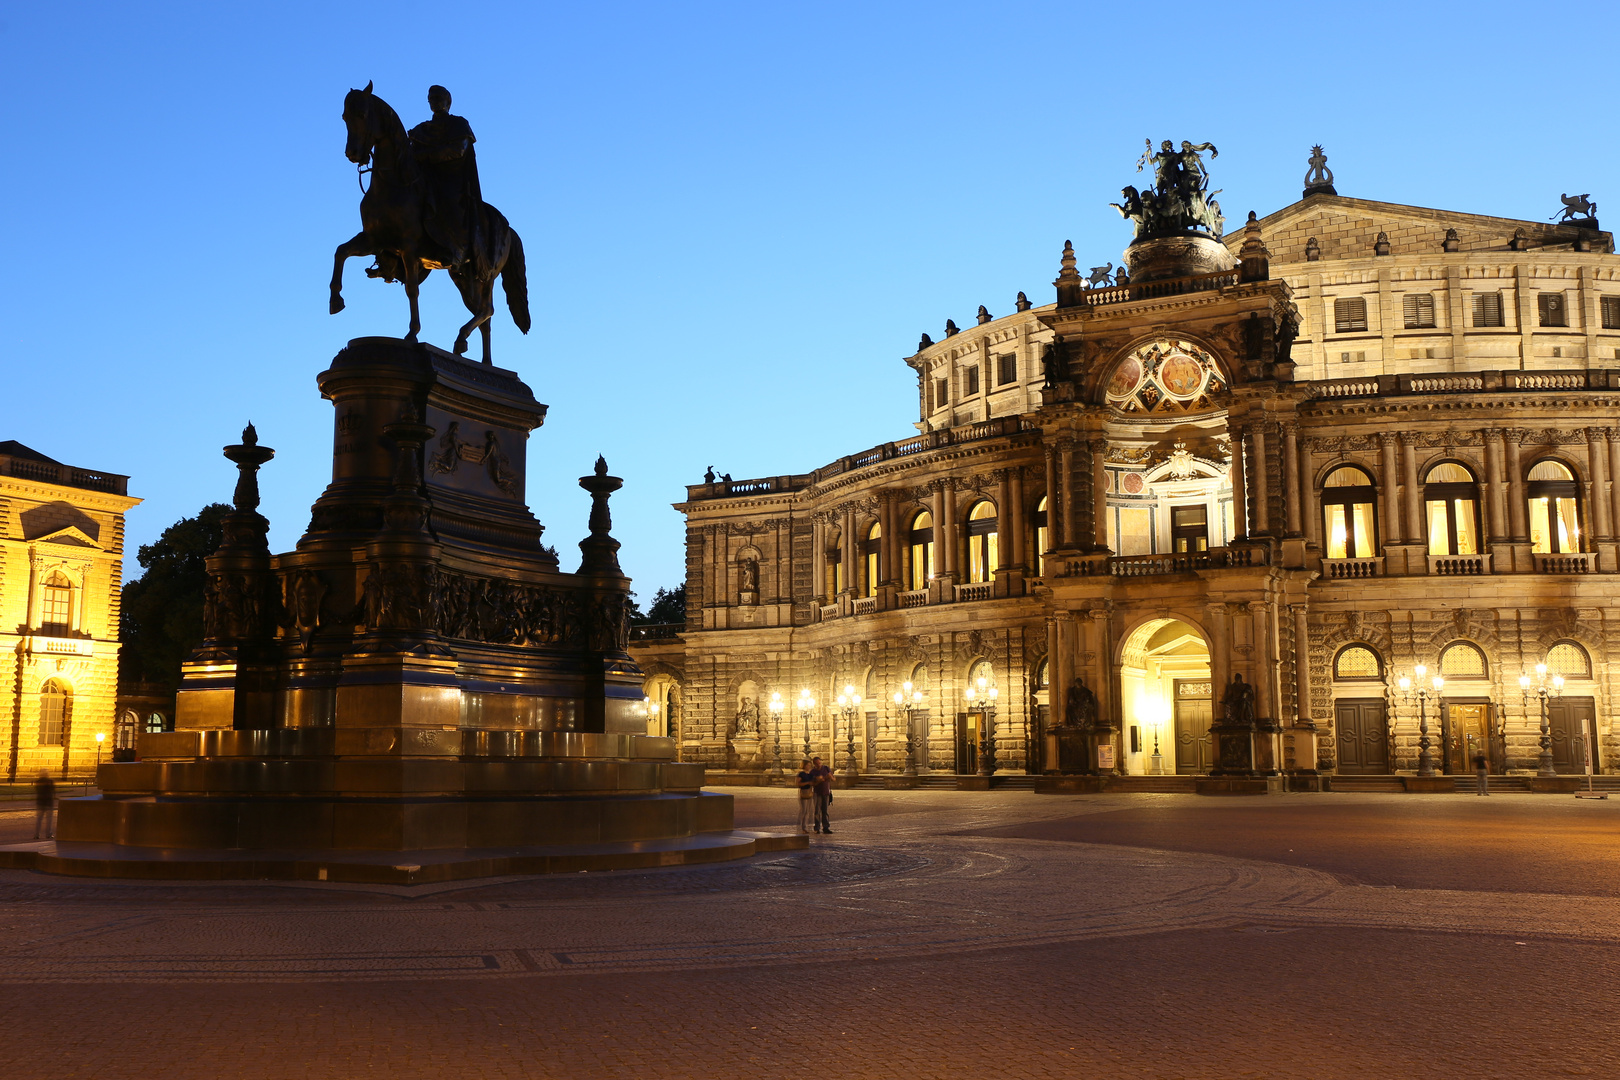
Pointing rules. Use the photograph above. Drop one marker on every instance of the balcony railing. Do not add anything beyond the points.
(656, 631)
(1353, 568)
(61, 646)
(829, 612)
(1146, 565)
(1152, 290)
(50, 472)
(1579, 562)
(866, 605)
(979, 590)
(1462, 382)
(914, 598)
(1459, 565)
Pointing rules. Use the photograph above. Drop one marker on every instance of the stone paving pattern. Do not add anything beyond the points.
(933, 934)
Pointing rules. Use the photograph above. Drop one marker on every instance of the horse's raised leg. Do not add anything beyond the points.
(413, 280)
(358, 245)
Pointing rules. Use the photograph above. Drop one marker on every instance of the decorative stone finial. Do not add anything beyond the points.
(1070, 285)
(1023, 304)
(924, 343)
(601, 465)
(601, 551)
(984, 315)
(250, 437)
(1313, 250)
(1318, 178)
(951, 328)
(1254, 261)
(248, 455)
(1068, 270)
(1381, 245)
(1451, 242)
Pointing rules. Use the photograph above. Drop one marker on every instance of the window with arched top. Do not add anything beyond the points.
(982, 669)
(1463, 660)
(983, 548)
(1451, 508)
(922, 551)
(55, 709)
(870, 547)
(1357, 662)
(1555, 520)
(1043, 675)
(56, 604)
(1043, 536)
(1349, 511)
(1569, 660)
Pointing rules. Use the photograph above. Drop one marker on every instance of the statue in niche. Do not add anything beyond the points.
(747, 717)
(748, 580)
(1080, 705)
(1239, 702)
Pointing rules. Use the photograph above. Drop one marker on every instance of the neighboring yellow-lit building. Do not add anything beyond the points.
(61, 575)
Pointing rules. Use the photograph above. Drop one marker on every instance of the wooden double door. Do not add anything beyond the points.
(967, 742)
(1194, 712)
(1568, 719)
(1361, 736)
(1466, 731)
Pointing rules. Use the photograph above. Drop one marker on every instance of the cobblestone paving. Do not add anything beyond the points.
(934, 934)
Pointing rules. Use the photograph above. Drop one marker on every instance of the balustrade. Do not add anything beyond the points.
(1353, 568)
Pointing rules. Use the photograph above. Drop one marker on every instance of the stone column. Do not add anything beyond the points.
(893, 572)
(1309, 507)
(1259, 482)
(1220, 651)
(1240, 492)
(818, 559)
(1054, 538)
(1302, 671)
(1391, 483)
(1409, 479)
(850, 550)
(1066, 489)
(1099, 491)
(1614, 475)
(1292, 495)
(1004, 522)
(1495, 490)
(1020, 535)
(1597, 453)
(1517, 511)
(948, 528)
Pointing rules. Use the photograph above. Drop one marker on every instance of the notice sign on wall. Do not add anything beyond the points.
(1105, 756)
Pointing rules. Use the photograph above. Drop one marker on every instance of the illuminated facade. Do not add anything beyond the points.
(1384, 436)
(62, 542)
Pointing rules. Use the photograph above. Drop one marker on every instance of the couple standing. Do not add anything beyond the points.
(815, 791)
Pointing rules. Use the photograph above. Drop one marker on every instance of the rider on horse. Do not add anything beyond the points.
(443, 148)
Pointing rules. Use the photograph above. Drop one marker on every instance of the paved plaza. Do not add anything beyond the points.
(934, 934)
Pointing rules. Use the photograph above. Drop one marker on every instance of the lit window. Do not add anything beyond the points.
(922, 550)
(1555, 521)
(983, 549)
(1350, 314)
(1349, 501)
(1451, 508)
(1043, 536)
(1488, 309)
(1461, 660)
(1418, 309)
(1189, 528)
(54, 710)
(1357, 662)
(869, 550)
(56, 604)
(1569, 660)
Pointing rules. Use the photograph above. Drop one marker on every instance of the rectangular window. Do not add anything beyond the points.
(942, 393)
(51, 707)
(54, 610)
(1488, 309)
(1006, 369)
(1611, 312)
(1349, 315)
(970, 381)
(1551, 307)
(1418, 310)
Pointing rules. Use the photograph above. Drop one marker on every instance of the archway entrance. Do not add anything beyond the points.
(1168, 699)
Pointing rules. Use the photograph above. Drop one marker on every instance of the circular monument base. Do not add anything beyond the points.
(1165, 257)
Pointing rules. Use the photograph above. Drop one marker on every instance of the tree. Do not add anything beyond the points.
(668, 606)
(162, 619)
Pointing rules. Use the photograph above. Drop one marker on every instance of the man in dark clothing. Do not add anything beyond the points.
(44, 806)
(1482, 774)
(821, 777)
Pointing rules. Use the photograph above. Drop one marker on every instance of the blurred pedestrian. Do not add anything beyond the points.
(806, 793)
(44, 806)
(822, 778)
(1482, 773)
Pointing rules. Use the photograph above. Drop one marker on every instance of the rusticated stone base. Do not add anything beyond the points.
(1239, 785)
(1430, 785)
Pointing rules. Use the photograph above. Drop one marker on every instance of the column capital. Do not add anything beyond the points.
(1290, 428)
(1097, 446)
(1388, 439)
(936, 486)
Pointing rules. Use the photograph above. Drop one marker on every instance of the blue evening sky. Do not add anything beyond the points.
(738, 217)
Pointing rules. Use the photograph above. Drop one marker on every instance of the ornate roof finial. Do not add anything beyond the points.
(1023, 303)
(1068, 262)
(1254, 260)
(951, 328)
(984, 315)
(1318, 178)
(924, 343)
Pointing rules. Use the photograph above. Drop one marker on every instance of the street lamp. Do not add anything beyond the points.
(849, 705)
(1542, 690)
(1425, 759)
(909, 700)
(776, 706)
(807, 705)
(981, 695)
(100, 737)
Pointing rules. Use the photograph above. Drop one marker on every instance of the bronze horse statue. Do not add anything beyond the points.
(392, 214)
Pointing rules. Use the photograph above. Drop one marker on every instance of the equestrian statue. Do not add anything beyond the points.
(425, 211)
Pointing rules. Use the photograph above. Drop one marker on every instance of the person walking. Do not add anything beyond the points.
(821, 777)
(1482, 773)
(806, 793)
(44, 806)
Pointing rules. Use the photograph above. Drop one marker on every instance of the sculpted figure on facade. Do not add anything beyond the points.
(1239, 702)
(1080, 705)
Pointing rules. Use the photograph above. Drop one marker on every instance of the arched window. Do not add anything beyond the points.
(1462, 660)
(56, 604)
(1555, 522)
(1357, 662)
(1451, 501)
(157, 722)
(1043, 536)
(1349, 509)
(869, 555)
(833, 566)
(981, 669)
(983, 550)
(55, 709)
(1043, 675)
(125, 728)
(1569, 660)
(922, 550)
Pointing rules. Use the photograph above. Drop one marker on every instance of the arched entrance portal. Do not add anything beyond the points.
(1168, 699)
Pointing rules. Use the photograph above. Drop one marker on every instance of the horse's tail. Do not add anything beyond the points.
(515, 280)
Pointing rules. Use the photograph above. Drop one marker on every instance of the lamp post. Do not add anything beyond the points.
(1425, 759)
(908, 701)
(776, 706)
(807, 705)
(100, 737)
(981, 695)
(849, 705)
(1543, 690)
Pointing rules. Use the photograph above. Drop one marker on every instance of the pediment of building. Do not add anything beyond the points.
(68, 537)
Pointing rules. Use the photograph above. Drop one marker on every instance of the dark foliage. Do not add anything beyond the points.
(668, 606)
(163, 609)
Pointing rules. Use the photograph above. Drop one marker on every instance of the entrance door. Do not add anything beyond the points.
(1189, 529)
(871, 742)
(1194, 712)
(1466, 729)
(1568, 718)
(1363, 741)
(967, 742)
